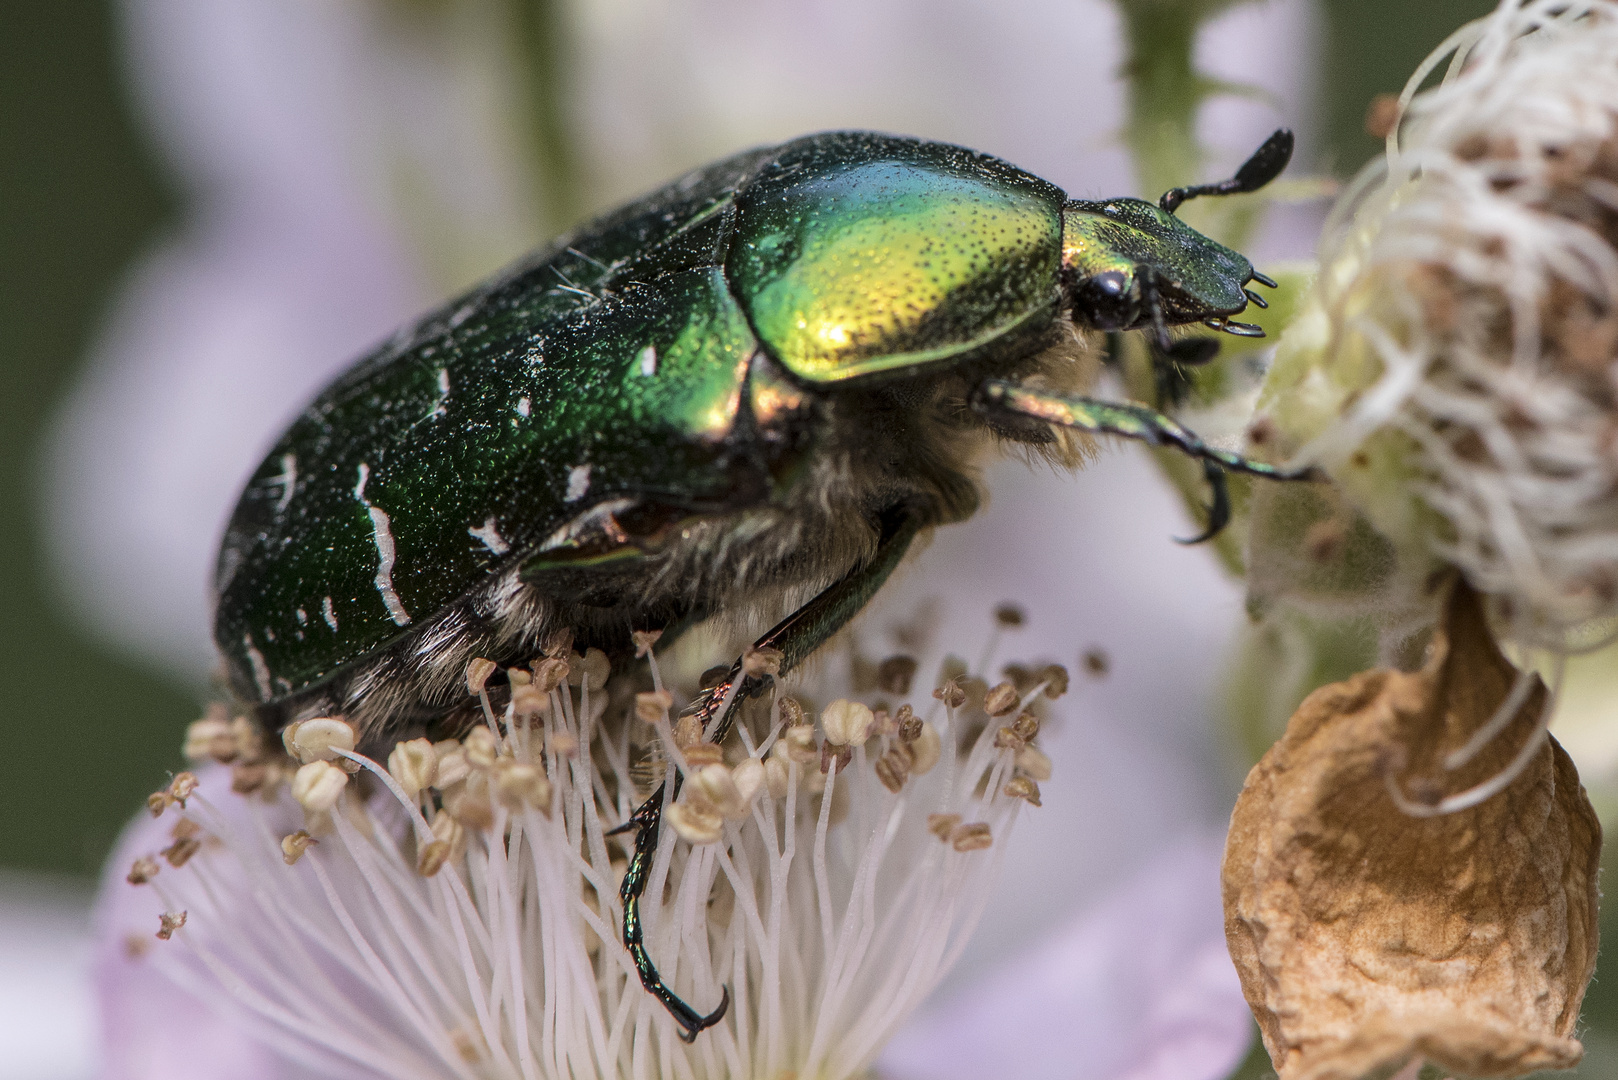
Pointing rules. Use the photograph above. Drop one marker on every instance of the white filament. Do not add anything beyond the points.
(507, 963)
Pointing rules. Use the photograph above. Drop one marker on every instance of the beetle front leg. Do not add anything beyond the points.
(795, 638)
(1134, 422)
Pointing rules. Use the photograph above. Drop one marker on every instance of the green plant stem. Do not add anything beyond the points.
(543, 39)
(1164, 94)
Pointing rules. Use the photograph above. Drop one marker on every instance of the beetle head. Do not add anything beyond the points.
(1128, 264)
(1116, 254)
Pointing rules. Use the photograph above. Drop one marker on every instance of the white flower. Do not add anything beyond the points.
(461, 932)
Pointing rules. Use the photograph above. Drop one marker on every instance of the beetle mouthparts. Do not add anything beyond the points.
(1231, 326)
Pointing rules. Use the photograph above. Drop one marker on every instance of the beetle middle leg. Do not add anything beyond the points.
(1135, 422)
(795, 637)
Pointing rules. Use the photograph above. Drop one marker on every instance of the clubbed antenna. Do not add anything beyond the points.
(1265, 165)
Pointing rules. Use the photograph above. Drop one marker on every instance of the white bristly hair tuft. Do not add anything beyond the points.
(1468, 306)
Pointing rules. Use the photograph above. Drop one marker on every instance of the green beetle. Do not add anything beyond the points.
(768, 376)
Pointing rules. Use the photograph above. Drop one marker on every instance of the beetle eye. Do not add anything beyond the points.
(1105, 301)
(1111, 284)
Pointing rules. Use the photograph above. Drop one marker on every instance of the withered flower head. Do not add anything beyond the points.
(1455, 368)
(1367, 927)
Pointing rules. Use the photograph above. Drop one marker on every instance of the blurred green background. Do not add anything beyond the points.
(82, 193)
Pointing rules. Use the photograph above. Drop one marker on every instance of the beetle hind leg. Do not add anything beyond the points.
(794, 638)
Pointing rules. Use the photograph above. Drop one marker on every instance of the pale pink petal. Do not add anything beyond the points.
(1138, 987)
(151, 1028)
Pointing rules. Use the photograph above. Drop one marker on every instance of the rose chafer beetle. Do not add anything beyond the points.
(763, 379)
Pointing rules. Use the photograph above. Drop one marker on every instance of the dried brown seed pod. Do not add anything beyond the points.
(1365, 934)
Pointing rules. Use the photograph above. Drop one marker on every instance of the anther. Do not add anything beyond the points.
(943, 825)
(776, 777)
(318, 739)
(179, 853)
(520, 787)
(293, 845)
(1026, 727)
(797, 745)
(926, 751)
(895, 674)
(1021, 787)
(452, 764)
(792, 714)
(653, 705)
(1009, 616)
(558, 643)
(907, 723)
(168, 922)
(750, 778)
(318, 785)
(835, 757)
(414, 765)
(765, 661)
(893, 769)
(1035, 762)
(687, 732)
(210, 738)
(550, 673)
(701, 755)
(527, 698)
(478, 671)
(644, 640)
(142, 870)
(246, 778)
(973, 837)
(951, 694)
(181, 787)
(697, 823)
(715, 785)
(480, 747)
(1001, 699)
(847, 723)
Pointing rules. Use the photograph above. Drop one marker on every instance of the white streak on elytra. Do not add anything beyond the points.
(648, 360)
(524, 406)
(491, 538)
(383, 535)
(441, 405)
(288, 480)
(261, 670)
(328, 613)
(578, 483)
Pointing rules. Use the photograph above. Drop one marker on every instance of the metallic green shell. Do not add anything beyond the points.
(611, 367)
(616, 369)
(1199, 277)
(858, 254)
